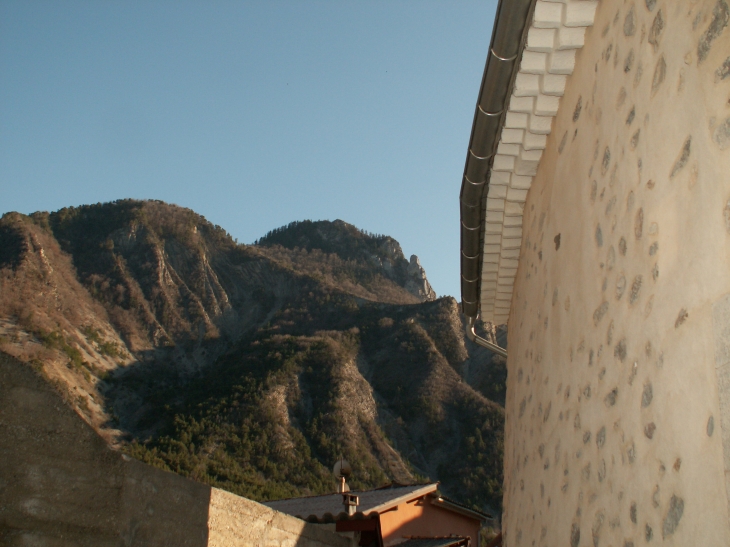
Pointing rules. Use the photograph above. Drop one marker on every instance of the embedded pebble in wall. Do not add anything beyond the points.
(609, 336)
(720, 17)
(632, 114)
(606, 160)
(574, 535)
(655, 497)
(655, 33)
(682, 158)
(562, 142)
(631, 454)
(596, 529)
(601, 437)
(594, 190)
(586, 437)
(726, 215)
(630, 22)
(650, 4)
(639, 223)
(653, 249)
(649, 430)
(660, 73)
(633, 372)
(587, 391)
(723, 71)
(632, 512)
(621, 97)
(674, 515)
(635, 289)
(629, 62)
(681, 318)
(648, 533)
(586, 472)
(721, 136)
(600, 313)
(610, 399)
(620, 287)
(578, 108)
(601, 473)
(634, 142)
(610, 205)
(630, 199)
(620, 350)
(710, 426)
(653, 229)
(647, 395)
(677, 464)
(622, 246)
(567, 303)
(599, 236)
(611, 257)
(639, 74)
(655, 272)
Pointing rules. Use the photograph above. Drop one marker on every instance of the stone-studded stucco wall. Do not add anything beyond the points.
(61, 485)
(619, 332)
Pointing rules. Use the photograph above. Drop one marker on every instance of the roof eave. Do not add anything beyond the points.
(506, 46)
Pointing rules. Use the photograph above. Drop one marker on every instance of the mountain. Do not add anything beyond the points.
(253, 367)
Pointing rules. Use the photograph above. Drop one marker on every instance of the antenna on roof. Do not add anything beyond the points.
(342, 470)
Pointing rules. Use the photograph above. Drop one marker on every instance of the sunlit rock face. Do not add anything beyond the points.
(417, 284)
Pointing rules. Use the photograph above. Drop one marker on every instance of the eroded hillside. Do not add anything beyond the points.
(252, 367)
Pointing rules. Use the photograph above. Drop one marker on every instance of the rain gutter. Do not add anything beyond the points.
(474, 337)
(508, 38)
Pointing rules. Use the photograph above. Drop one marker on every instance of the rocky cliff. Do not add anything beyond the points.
(252, 367)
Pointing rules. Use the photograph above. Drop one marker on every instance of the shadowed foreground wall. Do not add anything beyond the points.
(61, 485)
(619, 333)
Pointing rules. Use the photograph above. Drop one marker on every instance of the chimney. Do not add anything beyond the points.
(342, 470)
(350, 501)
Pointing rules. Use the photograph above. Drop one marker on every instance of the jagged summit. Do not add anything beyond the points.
(374, 255)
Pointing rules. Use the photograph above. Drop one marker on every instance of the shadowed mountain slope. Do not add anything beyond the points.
(252, 368)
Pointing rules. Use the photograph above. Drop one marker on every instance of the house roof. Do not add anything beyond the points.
(453, 541)
(371, 501)
(531, 55)
(442, 501)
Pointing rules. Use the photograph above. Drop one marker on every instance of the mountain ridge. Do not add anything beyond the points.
(251, 367)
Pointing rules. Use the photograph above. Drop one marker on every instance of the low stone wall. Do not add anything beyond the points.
(61, 485)
(234, 520)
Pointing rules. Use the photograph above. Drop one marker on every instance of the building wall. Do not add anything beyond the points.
(61, 485)
(618, 398)
(421, 518)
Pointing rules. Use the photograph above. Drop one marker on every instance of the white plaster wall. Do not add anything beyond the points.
(619, 330)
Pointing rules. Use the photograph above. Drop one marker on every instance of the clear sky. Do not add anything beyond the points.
(253, 114)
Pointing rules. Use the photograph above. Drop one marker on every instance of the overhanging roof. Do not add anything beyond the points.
(531, 54)
(371, 501)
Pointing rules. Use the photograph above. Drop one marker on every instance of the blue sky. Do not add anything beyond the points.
(253, 114)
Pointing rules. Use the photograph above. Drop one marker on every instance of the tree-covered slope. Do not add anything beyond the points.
(252, 368)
